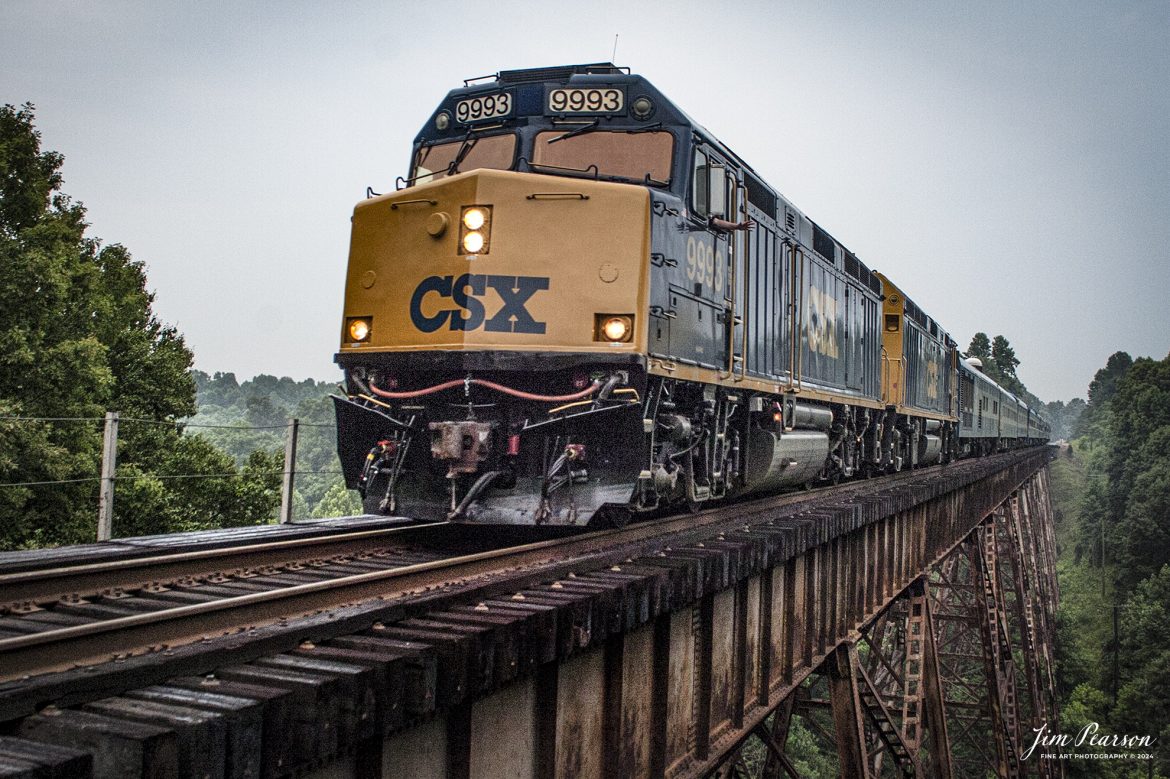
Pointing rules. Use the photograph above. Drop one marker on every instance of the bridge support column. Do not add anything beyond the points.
(928, 685)
(847, 715)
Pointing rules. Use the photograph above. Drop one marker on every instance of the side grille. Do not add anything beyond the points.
(824, 244)
(759, 195)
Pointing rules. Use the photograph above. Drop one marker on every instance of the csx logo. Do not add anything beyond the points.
(467, 292)
(932, 376)
(822, 323)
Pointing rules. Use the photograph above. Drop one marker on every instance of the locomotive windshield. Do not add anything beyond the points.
(441, 159)
(637, 156)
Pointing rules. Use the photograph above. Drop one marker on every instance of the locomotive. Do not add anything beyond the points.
(579, 306)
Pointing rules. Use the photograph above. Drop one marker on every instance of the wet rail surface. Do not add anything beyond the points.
(236, 590)
(191, 541)
(82, 576)
(60, 617)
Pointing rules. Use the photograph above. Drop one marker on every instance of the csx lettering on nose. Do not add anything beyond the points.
(469, 293)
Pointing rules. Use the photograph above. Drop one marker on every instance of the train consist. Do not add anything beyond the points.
(581, 306)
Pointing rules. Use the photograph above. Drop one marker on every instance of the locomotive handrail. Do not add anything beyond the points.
(747, 258)
(792, 328)
(798, 319)
(428, 201)
(591, 170)
(731, 281)
(557, 196)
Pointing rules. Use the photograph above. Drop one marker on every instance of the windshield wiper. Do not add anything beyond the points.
(464, 149)
(587, 128)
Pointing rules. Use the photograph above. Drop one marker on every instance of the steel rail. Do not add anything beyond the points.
(47, 585)
(159, 631)
(113, 639)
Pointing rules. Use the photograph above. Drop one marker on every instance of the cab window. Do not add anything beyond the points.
(643, 157)
(432, 163)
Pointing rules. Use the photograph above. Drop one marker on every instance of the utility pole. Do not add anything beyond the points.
(109, 464)
(290, 469)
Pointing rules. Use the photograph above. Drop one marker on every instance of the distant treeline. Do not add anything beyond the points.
(253, 415)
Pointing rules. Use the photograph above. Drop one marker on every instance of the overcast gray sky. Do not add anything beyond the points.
(1006, 163)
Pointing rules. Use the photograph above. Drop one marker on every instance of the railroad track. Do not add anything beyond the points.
(84, 615)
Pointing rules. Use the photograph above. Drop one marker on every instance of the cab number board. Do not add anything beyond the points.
(478, 109)
(603, 100)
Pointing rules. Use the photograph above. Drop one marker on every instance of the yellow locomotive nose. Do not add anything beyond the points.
(505, 280)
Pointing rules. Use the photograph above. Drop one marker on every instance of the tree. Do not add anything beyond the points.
(980, 347)
(1101, 391)
(78, 336)
(1000, 363)
(1003, 357)
(1143, 705)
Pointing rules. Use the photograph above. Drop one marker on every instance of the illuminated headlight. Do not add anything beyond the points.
(442, 121)
(358, 328)
(473, 242)
(474, 218)
(475, 230)
(615, 328)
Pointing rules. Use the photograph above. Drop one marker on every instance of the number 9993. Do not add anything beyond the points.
(586, 101)
(485, 107)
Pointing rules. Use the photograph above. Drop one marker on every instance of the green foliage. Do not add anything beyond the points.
(1130, 497)
(339, 502)
(1114, 505)
(78, 337)
(1101, 390)
(267, 403)
(1003, 357)
(1000, 363)
(980, 347)
(810, 758)
(1143, 703)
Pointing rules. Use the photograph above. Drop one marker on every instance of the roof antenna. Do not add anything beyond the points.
(613, 58)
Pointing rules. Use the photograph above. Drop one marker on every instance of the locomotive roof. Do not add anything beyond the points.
(529, 85)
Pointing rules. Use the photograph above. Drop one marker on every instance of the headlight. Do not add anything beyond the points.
(475, 230)
(643, 108)
(474, 218)
(473, 242)
(615, 328)
(358, 328)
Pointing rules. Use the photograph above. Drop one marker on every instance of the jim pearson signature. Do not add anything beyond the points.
(1089, 735)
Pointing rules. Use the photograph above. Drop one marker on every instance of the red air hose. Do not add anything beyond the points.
(415, 393)
(592, 388)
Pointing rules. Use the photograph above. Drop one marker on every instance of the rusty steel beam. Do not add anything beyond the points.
(776, 740)
(933, 698)
(848, 723)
